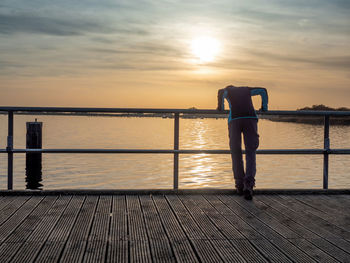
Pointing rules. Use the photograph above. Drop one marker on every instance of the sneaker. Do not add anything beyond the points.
(248, 194)
(239, 191)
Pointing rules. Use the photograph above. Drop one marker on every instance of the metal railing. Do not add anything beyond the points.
(10, 150)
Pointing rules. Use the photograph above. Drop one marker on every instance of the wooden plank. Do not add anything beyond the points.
(27, 252)
(31, 247)
(8, 250)
(84, 221)
(100, 226)
(75, 246)
(324, 204)
(12, 204)
(286, 207)
(205, 248)
(292, 251)
(320, 208)
(183, 251)
(244, 228)
(153, 223)
(17, 218)
(181, 246)
(117, 251)
(159, 242)
(208, 228)
(332, 250)
(227, 251)
(249, 252)
(6, 200)
(62, 229)
(161, 251)
(140, 251)
(314, 252)
(98, 238)
(328, 230)
(272, 236)
(225, 227)
(50, 219)
(345, 245)
(119, 204)
(269, 251)
(118, 246)
(57, 239)
(224, 248)
(168, 218)
(262, 202)
(119, 227)
(264, 246)
(341, 199)
(137, 229)
(74, 251)
(254, 222)
(252, 208)
(139, 244)
(304, 244)
(191, 228)
(168, 229)
(50, 252)
(21, 233)
(202, 212)
(340, 203)
(95, 251)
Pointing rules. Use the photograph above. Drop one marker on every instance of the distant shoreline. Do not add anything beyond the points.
(315, 120)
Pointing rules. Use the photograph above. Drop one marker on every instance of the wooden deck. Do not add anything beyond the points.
(175, 228)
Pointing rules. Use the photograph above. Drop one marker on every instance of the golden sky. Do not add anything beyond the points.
(173, 54)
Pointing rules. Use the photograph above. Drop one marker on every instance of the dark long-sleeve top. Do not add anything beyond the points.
(240, 101)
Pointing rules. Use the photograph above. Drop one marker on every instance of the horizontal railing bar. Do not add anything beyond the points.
(150, 110)
(170, 151)
(339, 151)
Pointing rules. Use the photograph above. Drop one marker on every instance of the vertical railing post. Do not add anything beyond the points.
(9, 149)
(326, 144)
(176, 147)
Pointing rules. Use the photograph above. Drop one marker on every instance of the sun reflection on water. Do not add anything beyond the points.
(200, 168)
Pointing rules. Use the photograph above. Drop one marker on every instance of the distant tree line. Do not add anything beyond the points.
(322, 107)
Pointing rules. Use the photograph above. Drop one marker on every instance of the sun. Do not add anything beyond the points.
(205, 48)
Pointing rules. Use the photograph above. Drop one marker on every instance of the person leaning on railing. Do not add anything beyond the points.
(243, 119)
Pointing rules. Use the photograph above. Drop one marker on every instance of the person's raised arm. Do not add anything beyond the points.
(221, 104)
(264, 97)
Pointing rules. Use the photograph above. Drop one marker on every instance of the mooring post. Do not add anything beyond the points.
(176, 147)
(326, 143)
(33, 160)
(9, 149)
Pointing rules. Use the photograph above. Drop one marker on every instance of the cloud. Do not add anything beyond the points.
(336, 62)
(142, 48)
(28, 23)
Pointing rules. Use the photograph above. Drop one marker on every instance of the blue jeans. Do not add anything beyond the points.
(249, 128)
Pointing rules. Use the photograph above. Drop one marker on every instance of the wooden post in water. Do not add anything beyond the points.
(33, 160)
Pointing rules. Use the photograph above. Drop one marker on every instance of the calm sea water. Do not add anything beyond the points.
(134, 171)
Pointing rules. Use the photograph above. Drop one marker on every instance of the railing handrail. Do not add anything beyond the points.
(157, 110)
(325, 151)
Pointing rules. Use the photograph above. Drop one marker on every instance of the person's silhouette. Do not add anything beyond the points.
(243, 119)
